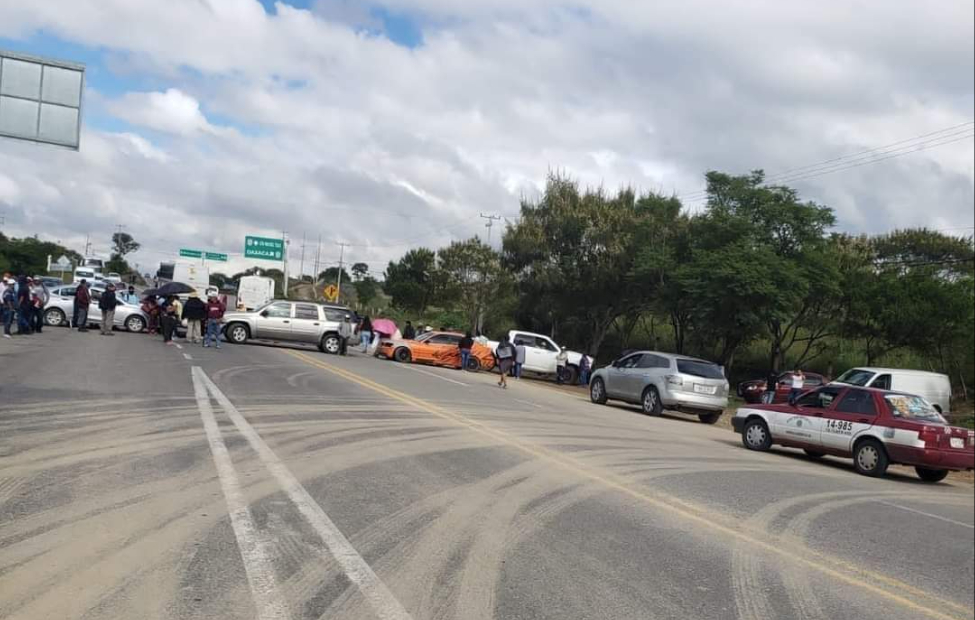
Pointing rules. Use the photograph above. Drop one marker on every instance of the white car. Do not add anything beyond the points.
(59, 310)
(541, 353)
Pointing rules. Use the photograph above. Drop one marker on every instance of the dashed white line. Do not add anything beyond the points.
(253, 550)
(382, 601)
(188, 356)
(178, 345)
(528, 402)
(928, 514)
(431, 374)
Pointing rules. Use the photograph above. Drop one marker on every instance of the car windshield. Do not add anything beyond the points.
(697, 368)
(910, 407)
(856, 376)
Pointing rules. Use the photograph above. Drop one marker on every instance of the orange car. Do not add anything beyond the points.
(438, 349)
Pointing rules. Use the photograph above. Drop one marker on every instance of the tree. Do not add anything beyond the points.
(473, 278)
(360, 271)
(122, 244)
(220, 280)
(413, 280)
(29, 255)
(331, 275)
(366, 290)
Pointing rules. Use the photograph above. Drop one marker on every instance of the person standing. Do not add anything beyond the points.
(8, 305)
(151, 308)
(365, 333)
(131, 297)
(771, 384)
(465, 345)
(169, 320)
(798, 382)
(107, 304)
(39, 299)
(561, 360)
(177, 313)
(520, 355)
(409, 332)
(585, 364)
(23, 305)
(215, 310)
(506, 355)
(194, 313)
(82, 301)
(345, 334)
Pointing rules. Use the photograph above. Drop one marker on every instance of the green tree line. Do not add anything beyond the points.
(757, 278)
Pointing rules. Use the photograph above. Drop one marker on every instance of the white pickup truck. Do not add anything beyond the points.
(540, 354)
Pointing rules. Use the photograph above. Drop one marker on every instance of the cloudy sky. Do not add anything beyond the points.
(388, 125)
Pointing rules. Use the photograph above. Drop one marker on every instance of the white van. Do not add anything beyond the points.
(254, 292)
(86, 273)
(934, 387)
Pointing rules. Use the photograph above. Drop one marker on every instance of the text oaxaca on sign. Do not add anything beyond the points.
(267, 248)
(40, 99)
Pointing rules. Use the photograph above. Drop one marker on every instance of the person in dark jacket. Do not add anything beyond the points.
(82, 300)
(194, 313)
(771, 383)
(409, 332)
(23, 305)
(107, 305)
(505, 354)
(365, 333)
(215, 311)
(169, 319)
(465, 345)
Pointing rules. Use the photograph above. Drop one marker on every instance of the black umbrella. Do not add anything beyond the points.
(174, 288)
(150, 292)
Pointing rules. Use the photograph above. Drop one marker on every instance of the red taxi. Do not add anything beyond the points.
(874, 427)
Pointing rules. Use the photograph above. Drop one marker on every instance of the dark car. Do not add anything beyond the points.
(752, 391)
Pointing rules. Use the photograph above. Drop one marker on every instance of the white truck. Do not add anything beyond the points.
(540, 354)
(192, 274)
(254, 292)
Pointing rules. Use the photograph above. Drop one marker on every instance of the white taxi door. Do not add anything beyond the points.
(855, 412)
(803, 423)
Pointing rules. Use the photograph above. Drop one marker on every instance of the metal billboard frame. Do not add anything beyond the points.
(40, 101)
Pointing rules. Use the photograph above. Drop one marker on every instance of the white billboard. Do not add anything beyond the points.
(40, 99)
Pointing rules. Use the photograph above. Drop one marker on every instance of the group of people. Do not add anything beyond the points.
(796, 386)
(202, 319)
(22, 300)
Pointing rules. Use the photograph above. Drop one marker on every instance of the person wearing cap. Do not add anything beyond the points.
(194, 313)
(215, 310)
(82, 300)
(107, 304)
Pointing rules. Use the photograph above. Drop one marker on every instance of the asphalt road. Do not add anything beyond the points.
(139, 481)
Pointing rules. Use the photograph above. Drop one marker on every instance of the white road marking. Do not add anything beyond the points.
(528, 402)
(928, 514)
(178, 345)
(188, 356)
(253, 548)
(427, 372)
(356, 569)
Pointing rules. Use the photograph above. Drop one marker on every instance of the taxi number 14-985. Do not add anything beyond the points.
(839, 426)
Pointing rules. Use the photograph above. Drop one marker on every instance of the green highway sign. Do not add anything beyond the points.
(190, 253)
(267, 248)
(216, 256)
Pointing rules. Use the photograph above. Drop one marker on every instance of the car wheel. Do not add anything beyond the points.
(870, 458)
(237, 333)
(931, 475)
(135, 323)
(331, 344)
(55, 317)
(756, 435)
(651, 402)
(813, 454)
(597, 391)
(710, 418)
(473, 364)
(403, 354)
(571, 376)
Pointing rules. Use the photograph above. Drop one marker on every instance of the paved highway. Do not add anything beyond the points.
(144, 481)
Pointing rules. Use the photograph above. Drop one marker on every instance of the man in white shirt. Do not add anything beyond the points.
(798, 385)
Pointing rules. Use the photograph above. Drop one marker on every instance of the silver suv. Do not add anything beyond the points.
(292, 321)
(657, 380)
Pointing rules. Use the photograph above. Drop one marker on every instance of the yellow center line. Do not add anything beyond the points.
(784, 547)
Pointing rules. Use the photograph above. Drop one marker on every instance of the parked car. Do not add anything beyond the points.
(753, 391)
(288, 321)
(49, 282)
(86, 273)
(873, 427)
(663, 380)
(934, 387)
(540, 354)
(60, 308)
(113, 278)
(436, 348)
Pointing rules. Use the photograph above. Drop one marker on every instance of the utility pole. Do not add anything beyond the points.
(284, 257)
(341, 259)
(318, 260)
(87, 245)
(491, 219)
(301, 263)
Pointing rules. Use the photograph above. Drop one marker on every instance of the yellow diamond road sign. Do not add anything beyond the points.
(331, 292)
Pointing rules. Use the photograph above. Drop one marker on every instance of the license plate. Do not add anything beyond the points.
(705, 389)
(957, 442)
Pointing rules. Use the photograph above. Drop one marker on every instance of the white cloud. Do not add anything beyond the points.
(325, 129)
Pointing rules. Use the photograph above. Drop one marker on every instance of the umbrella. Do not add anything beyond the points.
(174, 288)
(384, 327)
(150, 292)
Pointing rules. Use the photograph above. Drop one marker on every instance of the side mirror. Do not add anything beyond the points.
(615, 364)
(264, 313)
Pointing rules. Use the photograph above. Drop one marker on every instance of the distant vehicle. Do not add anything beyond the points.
(254, 292)
(93, 263)
(192, 274)
(86, 273)
(287, 321)
(873, 427)
(934, 387)
(60, 308)
(753, 391)
(49, 282)
(663, 380)
(114, 278)
(540, 354)
(436, 348)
